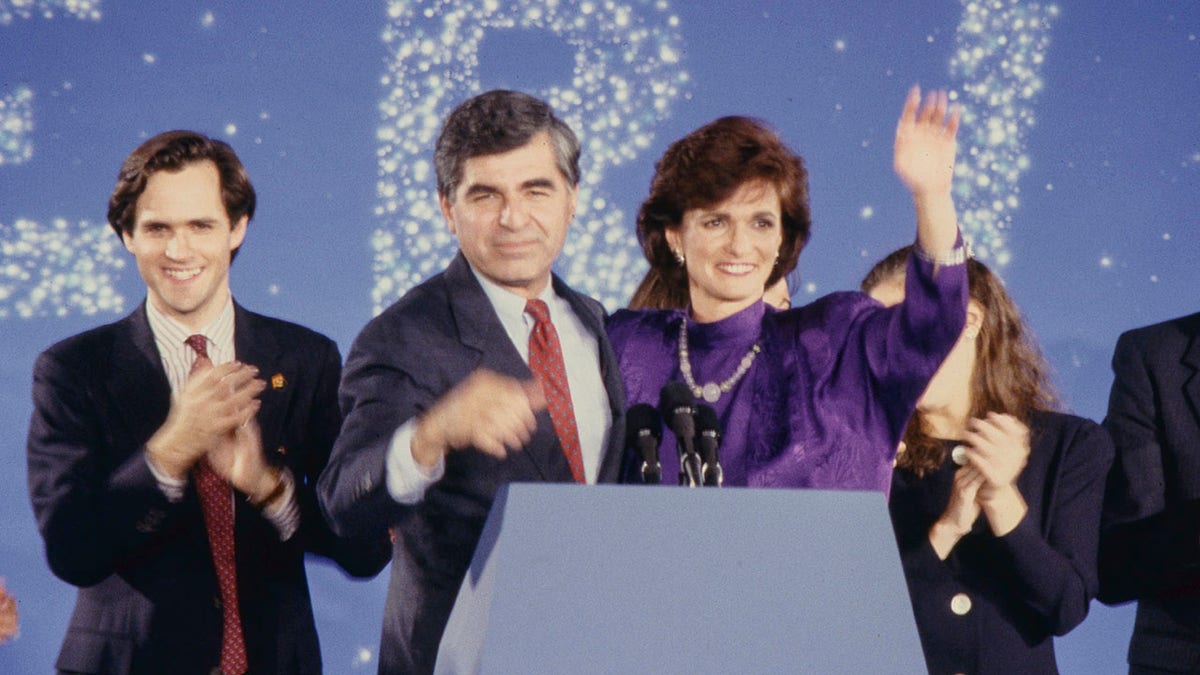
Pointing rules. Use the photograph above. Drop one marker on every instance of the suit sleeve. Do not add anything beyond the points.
(376, 395)
(99, 509)
(1054, 575)
(1146, 548)
(361, 556)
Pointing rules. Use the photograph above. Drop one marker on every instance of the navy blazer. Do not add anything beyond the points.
(1150, 548)
(148, 599)
(401, 363)
(994, 603)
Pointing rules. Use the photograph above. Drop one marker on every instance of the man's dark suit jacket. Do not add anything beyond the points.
(403, 361)
(148, 599)
(1150, 545)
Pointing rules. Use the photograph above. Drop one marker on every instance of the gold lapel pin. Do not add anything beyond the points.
(277, 381)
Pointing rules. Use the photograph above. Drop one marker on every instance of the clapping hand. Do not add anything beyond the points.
(998, 448)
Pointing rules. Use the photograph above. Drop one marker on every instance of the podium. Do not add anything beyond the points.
(648, 579)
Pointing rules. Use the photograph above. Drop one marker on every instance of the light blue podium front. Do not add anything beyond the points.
(639, 579)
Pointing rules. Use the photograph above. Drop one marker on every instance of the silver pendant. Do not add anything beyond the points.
(711, 392)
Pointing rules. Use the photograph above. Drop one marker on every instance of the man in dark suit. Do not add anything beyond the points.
(446, 394)
(147, 469)
(1150, 539)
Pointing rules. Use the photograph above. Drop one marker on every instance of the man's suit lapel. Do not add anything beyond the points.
(1191, 361)
(480, 330)
(255, 345)
(138, 384)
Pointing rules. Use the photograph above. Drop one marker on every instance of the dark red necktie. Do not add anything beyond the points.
(546, 362)
(217, 504)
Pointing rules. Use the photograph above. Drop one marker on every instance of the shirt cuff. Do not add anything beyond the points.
(172, 488)
(955, 256)
(284, 512)
(407, 480)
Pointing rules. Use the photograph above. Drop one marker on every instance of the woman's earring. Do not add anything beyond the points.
(972, 333)
(679, 258)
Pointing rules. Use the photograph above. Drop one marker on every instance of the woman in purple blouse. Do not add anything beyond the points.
(816, 396)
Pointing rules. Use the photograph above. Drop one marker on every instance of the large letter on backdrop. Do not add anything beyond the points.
(65, 266)
(626, 74)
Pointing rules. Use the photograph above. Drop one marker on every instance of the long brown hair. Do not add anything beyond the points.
(1010, 374)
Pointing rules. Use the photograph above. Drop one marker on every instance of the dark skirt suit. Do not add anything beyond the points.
(994, 604)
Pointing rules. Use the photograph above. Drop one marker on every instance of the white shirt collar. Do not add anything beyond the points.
(170, 334)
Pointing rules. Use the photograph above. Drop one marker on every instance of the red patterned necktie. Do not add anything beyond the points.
(217, 504)
(546, 362)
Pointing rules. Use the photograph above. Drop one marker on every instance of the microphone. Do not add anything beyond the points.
(708, 439)
(643, 432)
(675, 404)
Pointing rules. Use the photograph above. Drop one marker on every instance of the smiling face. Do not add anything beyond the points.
(510, 213)
(730, 249)
(183, 243)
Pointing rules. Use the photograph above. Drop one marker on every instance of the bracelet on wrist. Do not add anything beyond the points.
(275, 493)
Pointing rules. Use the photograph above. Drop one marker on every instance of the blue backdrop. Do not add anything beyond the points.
(1079, 169)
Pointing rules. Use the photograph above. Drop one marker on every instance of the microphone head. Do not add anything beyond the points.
(672, 397)
(706, 420)
(640, 419)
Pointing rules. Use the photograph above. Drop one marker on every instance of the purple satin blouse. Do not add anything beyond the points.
(825, 403)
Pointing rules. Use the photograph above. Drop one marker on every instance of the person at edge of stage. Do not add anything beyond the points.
(1150, 532)
(173, 454)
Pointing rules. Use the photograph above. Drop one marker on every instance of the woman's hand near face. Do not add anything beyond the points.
(998, 449)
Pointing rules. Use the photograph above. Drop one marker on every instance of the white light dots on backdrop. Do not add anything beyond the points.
(16, 107)
(48, 9)
(16, 125)
(1000, 47)
(625, 77)
(58, 269)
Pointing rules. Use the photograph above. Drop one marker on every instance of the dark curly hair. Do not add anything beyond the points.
(703, 169)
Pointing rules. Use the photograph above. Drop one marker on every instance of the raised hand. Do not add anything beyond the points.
(925, 143)
(487, 411)
(213, 402)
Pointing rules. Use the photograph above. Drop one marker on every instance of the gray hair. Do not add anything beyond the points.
(495, 122)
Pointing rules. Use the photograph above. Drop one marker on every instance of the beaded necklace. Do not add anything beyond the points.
(711, 391)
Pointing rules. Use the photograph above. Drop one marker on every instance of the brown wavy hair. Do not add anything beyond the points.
(1010, 376)
(173, 151)
(705, 168)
